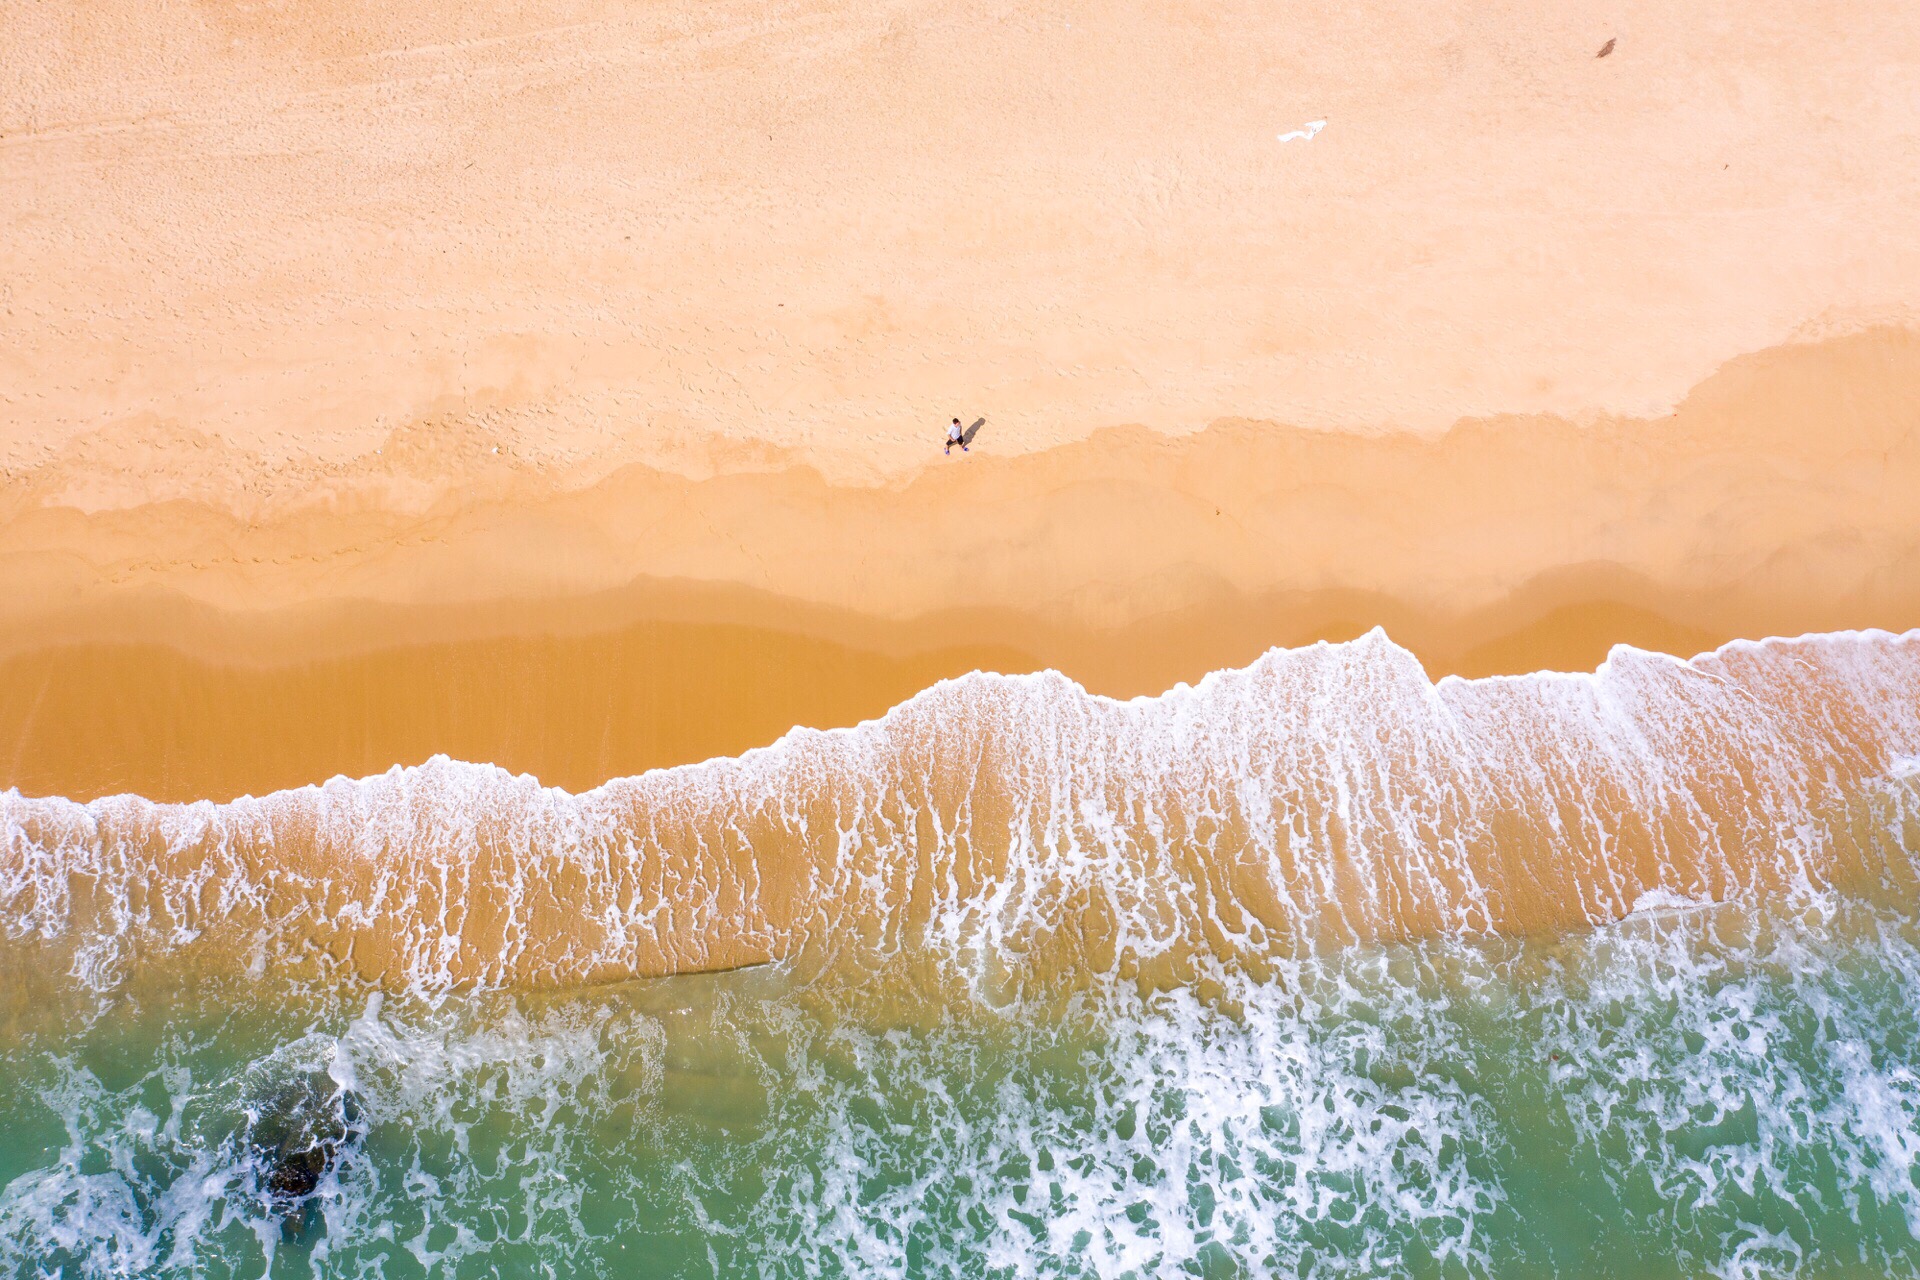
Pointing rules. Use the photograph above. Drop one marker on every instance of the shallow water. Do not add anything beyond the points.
(1692, 1092)
(1319, 969)
(1014, 827)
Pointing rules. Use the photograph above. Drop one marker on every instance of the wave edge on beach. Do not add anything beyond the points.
(1014, 829)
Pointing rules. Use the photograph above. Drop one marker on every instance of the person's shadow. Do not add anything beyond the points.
(973, 431)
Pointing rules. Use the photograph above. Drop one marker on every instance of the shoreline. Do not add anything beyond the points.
(186, 652)
(1396, 750)
(1270, 809)
(186, 718)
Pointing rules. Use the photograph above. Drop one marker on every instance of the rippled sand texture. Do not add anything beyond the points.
(1008, 828)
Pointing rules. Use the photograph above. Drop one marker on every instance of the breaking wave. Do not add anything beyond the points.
(1005, 829)
(1316, 969)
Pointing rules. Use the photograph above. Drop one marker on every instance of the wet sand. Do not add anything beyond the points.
(181, 652)
(183, 720)
(1005, 831)
(560, 385)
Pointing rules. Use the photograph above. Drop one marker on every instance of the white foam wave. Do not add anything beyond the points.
(1320, 796)
(1735, 1089)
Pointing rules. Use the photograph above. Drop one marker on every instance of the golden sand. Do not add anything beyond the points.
(718, 236)
(180, 652)
(559, 385)
(183, 651)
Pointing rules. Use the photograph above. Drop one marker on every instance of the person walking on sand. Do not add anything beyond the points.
(955, 436)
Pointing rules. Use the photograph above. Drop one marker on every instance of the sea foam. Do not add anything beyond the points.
(1013, 826)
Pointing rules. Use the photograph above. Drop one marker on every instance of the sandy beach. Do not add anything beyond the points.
(182, 651)
(721, 237)
(1394, 754)
(348, 358)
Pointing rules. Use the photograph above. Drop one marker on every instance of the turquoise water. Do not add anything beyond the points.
(1689, 1093)
(1305, 971)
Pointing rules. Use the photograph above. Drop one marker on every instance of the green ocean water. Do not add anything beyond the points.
(1716, 1092)
(1274, 976)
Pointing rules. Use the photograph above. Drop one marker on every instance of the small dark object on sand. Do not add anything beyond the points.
(298, 1135)
(1605, 49)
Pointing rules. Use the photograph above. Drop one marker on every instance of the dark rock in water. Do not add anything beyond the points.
(298, 1135)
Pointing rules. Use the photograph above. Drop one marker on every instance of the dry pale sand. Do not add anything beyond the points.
(560, 384)
(607, 231)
